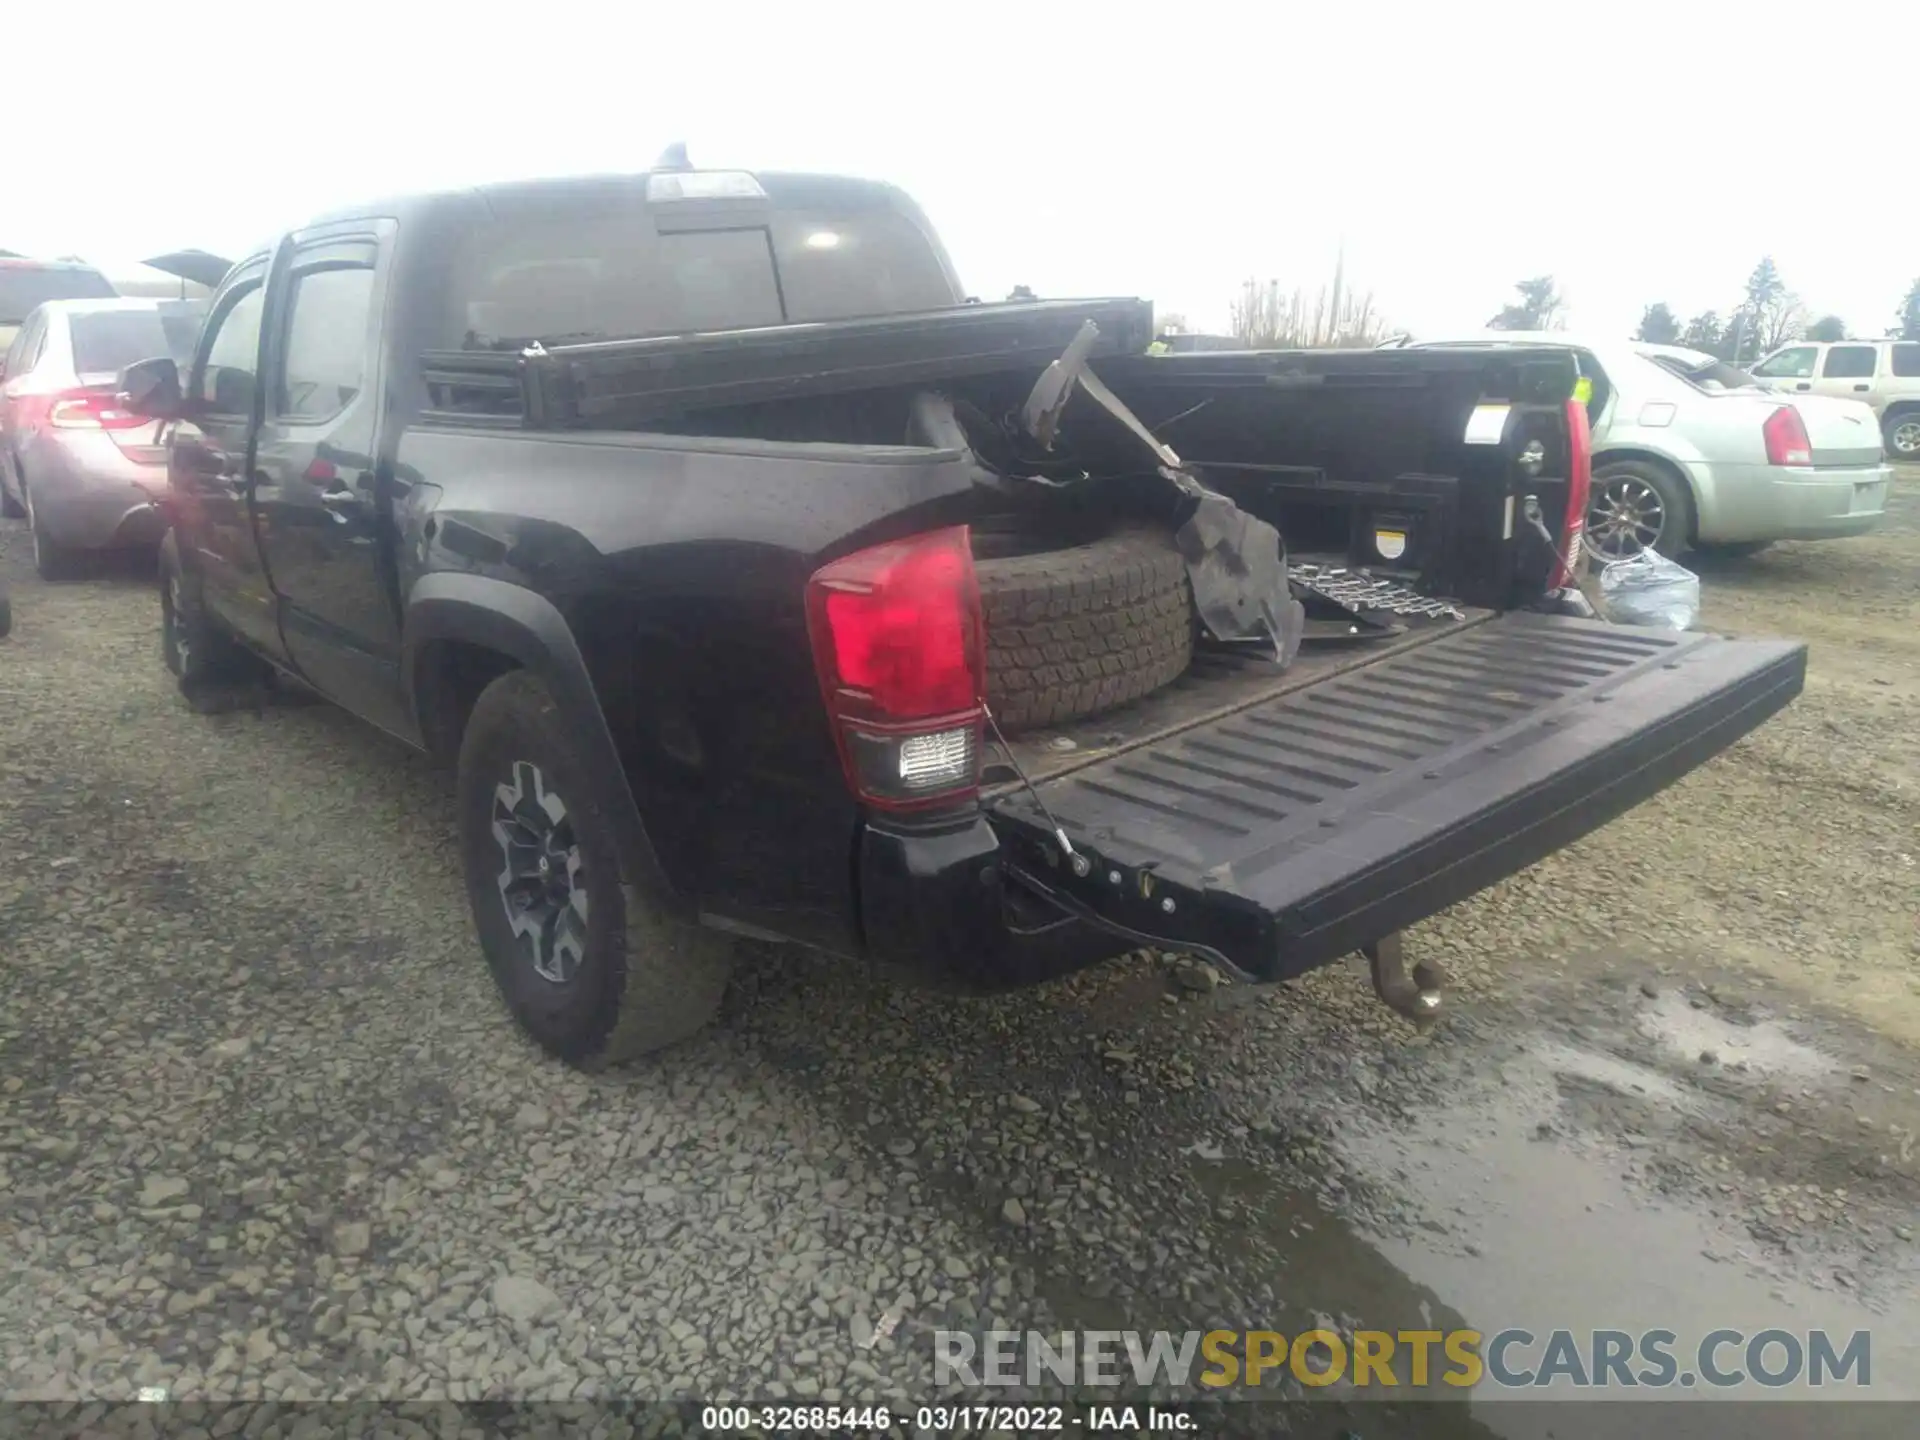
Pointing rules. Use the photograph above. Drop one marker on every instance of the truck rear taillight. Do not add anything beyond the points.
(90, 410)
(900, 647)
(1787, 442)
(1579, 492)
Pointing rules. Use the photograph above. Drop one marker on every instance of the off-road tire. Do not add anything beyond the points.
(1073, 632)
(198, 654)
(645, 980)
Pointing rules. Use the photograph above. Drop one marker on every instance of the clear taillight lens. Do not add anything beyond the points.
(900, 647)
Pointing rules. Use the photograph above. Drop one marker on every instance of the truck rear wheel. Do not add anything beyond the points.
(1072, 632)
(590, 969)
(196, 651)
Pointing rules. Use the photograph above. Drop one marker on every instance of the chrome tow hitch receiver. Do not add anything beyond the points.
(1418, 996)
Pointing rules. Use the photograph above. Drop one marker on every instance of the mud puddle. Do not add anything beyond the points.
(1543, 1235)
(1607, 1153)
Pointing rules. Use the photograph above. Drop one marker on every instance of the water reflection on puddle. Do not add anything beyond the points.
(1544, 1235)
(1503, 1215)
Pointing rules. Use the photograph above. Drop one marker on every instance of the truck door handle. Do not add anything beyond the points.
(1863, 387)
(1803, 385)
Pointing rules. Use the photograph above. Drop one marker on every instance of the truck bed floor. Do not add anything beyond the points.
(1216, 686)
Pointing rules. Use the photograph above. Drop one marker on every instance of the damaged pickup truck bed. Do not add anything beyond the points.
(757, 583)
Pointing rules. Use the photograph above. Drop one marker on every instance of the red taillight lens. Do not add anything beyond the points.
(900, 646)
(1787, 442)
(90, 410)
(1579, 492)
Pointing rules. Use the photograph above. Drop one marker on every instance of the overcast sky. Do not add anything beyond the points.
(1636, 152)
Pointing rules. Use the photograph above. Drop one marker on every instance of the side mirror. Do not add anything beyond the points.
(151, 388)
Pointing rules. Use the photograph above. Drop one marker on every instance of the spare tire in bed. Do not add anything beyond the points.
(1074, 631)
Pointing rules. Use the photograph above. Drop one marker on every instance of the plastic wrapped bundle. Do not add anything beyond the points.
(1650, 590)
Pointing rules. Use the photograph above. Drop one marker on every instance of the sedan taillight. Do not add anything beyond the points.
(90, 410)
(1787, 442)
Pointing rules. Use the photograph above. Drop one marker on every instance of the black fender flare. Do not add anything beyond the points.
(529, 629)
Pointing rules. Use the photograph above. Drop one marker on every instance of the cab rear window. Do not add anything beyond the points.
(841, 268)
(558, 277)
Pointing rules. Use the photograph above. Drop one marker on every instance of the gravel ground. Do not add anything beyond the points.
(266, 1133)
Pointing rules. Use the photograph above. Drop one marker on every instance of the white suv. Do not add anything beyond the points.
(1884, 373)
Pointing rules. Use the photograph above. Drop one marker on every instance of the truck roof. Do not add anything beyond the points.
(787, 190)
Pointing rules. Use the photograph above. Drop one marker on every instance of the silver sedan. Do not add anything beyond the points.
(1689, 452)
(85, 475)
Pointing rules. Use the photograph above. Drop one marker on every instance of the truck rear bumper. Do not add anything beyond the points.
(1300, 828)
(936, 903)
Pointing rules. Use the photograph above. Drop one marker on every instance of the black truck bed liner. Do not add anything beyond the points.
(1217, 685)
(1300, 827)
(637, 382)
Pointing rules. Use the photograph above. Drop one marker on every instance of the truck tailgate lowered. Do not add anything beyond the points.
(1305, 826)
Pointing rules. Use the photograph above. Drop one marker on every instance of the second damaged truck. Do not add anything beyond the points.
(758, 583)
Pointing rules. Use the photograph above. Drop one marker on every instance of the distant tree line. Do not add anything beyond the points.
(1767, 316)
(1268, 316)
(1335, 316)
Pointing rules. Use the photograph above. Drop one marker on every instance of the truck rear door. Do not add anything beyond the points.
(1290, 832)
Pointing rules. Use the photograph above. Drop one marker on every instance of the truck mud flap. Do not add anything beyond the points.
(1306, 826)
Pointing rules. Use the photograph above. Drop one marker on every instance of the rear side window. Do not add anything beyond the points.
(1714, 375)
(1794, 364)
(1849, 362)
(26, 347)
(111, 340)
(1906, 361)
(24, 286)
(326, 342)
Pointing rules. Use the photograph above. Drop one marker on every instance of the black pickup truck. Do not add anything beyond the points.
(757, 582)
